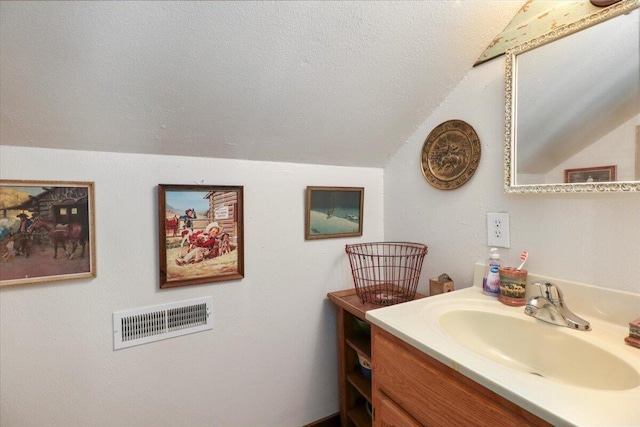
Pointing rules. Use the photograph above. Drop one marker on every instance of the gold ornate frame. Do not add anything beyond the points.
(59, 239)
(510, 186)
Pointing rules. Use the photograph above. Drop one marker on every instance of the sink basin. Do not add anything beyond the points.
(544, 350)
(564, 376)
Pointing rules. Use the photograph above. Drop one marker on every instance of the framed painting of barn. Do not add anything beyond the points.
(47, 231)
(333, 212)
(201, 234)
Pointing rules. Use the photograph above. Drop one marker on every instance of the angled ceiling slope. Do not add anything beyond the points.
(535, 18)
(335, 83)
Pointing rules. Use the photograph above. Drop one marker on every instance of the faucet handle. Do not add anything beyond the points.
(549, 291)
(537, 289)
(553, 293)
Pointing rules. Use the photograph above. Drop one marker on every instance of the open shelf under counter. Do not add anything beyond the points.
(354, 340)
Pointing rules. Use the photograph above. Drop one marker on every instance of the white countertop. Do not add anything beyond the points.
(560, 404)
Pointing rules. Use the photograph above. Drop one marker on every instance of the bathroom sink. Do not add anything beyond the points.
(565, 376)
(528, 345)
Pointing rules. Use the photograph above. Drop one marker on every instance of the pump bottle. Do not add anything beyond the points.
(491, 281)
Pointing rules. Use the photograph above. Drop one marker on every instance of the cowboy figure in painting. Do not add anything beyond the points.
(195, 255)
(202, 245)
(21, 242)
(208, 238)
(188, 217)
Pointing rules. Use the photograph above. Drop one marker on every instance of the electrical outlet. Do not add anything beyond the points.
(498, 230)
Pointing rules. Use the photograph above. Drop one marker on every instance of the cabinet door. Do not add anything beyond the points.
(388, 414)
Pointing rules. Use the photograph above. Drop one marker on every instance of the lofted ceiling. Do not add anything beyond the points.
(323, 82)
(537, 17)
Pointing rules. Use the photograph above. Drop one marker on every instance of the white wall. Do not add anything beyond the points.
(271, 357)
(589, 238)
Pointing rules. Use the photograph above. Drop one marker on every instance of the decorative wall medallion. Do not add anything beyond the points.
(450, 155)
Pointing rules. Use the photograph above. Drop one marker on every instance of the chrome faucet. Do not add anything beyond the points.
(549, 307)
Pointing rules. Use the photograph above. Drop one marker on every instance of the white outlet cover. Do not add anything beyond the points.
(498, 230)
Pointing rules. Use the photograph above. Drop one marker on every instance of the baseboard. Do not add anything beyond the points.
(330, 421)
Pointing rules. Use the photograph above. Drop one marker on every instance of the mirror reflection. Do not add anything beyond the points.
(575, 115)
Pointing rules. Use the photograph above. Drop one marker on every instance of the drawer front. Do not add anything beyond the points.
(388, 414)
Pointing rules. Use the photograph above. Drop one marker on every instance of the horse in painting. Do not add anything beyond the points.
(172, 225)
(61, 234)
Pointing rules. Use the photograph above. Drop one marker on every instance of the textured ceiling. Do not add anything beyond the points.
(336, 83)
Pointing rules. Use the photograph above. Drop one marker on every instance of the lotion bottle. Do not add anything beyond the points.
(491, 281)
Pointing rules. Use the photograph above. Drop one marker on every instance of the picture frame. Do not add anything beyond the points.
(333, 212)
(201, 234)
(591, 174)
(47, 231)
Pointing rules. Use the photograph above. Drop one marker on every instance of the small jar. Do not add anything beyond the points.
(513, 284)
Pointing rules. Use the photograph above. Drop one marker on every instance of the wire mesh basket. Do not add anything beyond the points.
(386, 273)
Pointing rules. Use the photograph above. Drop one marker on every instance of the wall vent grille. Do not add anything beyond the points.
(148, 324)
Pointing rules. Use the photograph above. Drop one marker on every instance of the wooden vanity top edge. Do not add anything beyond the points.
(349, 301)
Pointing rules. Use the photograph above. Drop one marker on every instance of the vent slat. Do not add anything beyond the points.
(140, 326)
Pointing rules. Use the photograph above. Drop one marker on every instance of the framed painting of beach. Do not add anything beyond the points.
(46, 231)
(201, 234)
(333, 212)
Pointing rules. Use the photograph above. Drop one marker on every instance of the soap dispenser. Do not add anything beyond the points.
(491, 281)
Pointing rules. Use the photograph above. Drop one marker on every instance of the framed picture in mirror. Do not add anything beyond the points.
(593, 174)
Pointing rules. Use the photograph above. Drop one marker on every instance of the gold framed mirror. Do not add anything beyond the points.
(572, 101)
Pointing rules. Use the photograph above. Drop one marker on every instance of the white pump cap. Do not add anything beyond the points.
(493, 253)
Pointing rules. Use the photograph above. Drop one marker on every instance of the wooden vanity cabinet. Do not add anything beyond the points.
(353, 339)
(411, 388)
